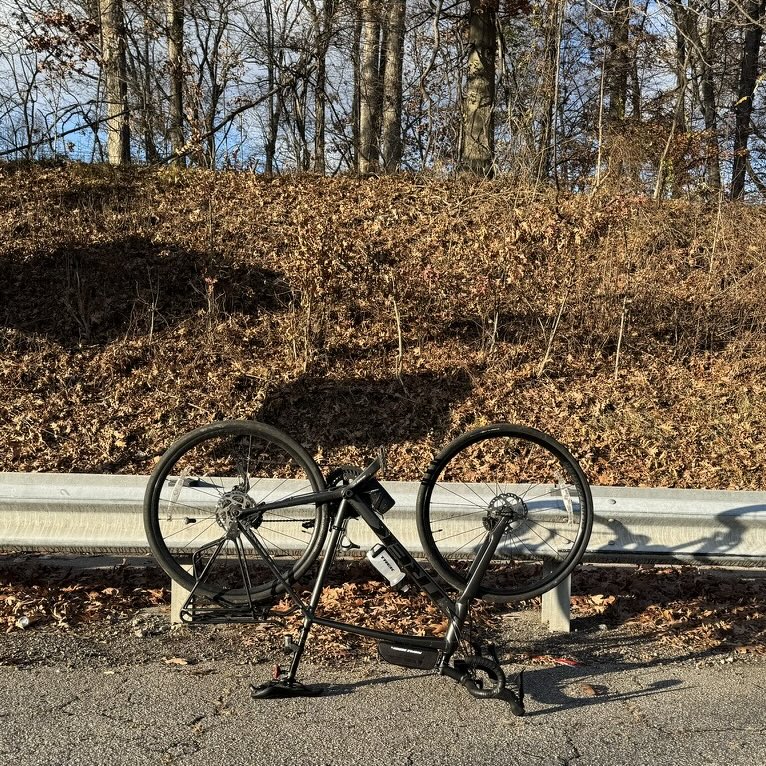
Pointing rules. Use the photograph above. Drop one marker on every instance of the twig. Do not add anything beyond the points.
(624, 312)
(398, 319)
(715, 234)
(553, 334)
(619, 337)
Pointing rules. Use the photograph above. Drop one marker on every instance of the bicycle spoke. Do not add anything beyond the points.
(469, 542)
(194, 539)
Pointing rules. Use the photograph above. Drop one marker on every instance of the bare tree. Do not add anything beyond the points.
(546, 144)
(175, 25)
(704, 44)
(322, 17)
(369, 87)
(391, 127)
(19, 104)
(538, 89)
(748, 76)
(618, 59)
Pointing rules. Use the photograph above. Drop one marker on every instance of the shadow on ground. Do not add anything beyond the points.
(103, 292)
(366, 412)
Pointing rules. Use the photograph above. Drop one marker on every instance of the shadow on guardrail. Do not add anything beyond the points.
(723, 535)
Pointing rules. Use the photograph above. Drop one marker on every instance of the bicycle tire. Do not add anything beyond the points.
(198, 488)
(510, 470)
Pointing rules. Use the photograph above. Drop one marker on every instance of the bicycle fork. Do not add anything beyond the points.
(464, 671)
(458, 614)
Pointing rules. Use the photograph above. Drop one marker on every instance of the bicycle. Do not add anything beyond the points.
(237, 512)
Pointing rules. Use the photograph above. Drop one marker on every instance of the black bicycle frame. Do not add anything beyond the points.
(351, 505)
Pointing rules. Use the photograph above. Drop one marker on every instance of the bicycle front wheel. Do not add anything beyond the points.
(198, 492)
(517, 474)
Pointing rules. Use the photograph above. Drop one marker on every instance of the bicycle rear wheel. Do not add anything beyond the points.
(197, 492)
(511, 472)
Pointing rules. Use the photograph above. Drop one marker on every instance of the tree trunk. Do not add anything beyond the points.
(270, 144)
(680, 18)
(356, 47)
(477, 149)
(743, 109)
(391, 129)
(175, 11)
(300, 102)
(705, 55)
(216, 92)
(635, 75)
(544, 165)
(369, 88)
(115, 81)
(618, 63)
(323, 33)
(678, 125)
(148, 105)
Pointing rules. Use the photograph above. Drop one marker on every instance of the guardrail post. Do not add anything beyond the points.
(556, 607)
(178, 596)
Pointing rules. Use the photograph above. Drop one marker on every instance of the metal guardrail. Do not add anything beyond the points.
(102, 514)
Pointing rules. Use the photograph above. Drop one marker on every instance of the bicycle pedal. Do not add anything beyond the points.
(276, 672)
(347, 544)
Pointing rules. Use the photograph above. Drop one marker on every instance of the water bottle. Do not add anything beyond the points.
(381, 559)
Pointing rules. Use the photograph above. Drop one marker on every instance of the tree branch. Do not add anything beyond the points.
(190, 146)
(759, 183)
(34, 144)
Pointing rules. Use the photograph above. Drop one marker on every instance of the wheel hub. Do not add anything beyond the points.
(230, 507)
(505, 506)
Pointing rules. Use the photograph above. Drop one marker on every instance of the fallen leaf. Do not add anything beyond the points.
(589, 690)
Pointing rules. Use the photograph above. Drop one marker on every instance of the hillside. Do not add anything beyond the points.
(398, 311)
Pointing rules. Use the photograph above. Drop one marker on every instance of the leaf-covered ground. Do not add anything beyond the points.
(686, 609)
(398, 311)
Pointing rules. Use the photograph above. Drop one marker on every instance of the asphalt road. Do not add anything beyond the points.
(67, 702)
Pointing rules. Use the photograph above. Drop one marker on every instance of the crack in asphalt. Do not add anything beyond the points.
(61, 707)
(569, 759)
(711, 730)
(641, 717)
